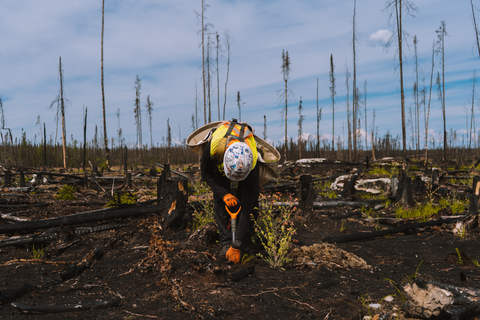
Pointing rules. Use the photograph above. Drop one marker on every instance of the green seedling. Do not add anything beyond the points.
(475, 263)
(462, 233)
(66, 192)
(342, 227)
(459, 261)
(400, 293)
(38, 253)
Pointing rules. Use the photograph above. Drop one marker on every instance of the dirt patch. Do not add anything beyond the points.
(159, 273)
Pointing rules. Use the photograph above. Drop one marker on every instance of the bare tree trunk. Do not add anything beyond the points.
(355, 95)
(286, 108)
(208, 81)
(218, 82)
(428, 112)
(475, 25)
(228, 44)
(85, 140)
(417, 119)
(399, 32)
(365, 105)
(332, 95)
(472, 114)
(317, 148)
(203, 65)
(107, 152)
(62, 110)
(347, 76)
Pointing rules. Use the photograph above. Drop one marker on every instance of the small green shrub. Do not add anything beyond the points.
(205, 215)
(66, 192)
(383, 171)
(103, 166)
(325, 191)
(125, 198)
(275, 233)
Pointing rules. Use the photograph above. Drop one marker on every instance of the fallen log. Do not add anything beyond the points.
(83, 217)
(334, 203)
(52, 235)
(381, 233)
(66, 307)
(430, 298)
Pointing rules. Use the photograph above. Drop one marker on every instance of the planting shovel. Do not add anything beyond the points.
(233, 216)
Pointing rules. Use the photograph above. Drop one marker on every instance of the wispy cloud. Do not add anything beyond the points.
(380, 38)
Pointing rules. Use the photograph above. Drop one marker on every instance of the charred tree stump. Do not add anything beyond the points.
(22, 177)
(172, 191)
(475, 196)
(306, 194)
(8, 178)
(406, 197)
(125, 167)
(471, 219)
(419, 187)
(153, 172)
(128, 179)
(95, 172)
(350, 186)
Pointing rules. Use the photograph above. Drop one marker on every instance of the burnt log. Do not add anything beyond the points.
(83, 217)
(66, 307)
(428, 299)
(375, 234)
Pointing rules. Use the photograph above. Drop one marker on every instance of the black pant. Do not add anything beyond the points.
(248, 192)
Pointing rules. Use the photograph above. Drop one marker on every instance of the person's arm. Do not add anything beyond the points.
(207, 169)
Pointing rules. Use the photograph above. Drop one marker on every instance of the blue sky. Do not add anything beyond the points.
(159, 42)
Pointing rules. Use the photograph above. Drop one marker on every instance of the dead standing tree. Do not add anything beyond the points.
(347, 78)
(476, 29)
(138, 112)
(300, 129)
(442, 32)
(286, 75)
(204, 28)
(60, 101)
(149, 109)
(394, 8)
(107, 151)
(428, 111)
(355, 95)
(228, 42)
(332, 96)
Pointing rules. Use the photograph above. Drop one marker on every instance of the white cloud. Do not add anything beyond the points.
(380, 37)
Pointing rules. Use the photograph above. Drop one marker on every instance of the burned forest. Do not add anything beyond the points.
(374, 239)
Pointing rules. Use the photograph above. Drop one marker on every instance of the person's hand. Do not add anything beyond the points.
(233, 255)
(232, 205)
(230, 200)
